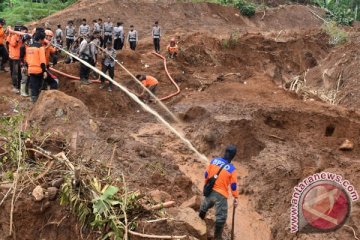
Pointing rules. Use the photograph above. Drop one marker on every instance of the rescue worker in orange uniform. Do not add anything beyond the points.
(50, 52)
(3, 52)
(14, 53)
(149, 82)
(24, 87)
(173, 48)
(219, 194)
(36, 60)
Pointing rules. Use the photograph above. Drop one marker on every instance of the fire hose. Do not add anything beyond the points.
(98, 81)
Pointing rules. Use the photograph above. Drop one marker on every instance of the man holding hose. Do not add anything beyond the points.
(108, 64)
(224, 174)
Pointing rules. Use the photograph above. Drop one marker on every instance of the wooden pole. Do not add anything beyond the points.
(233, 224)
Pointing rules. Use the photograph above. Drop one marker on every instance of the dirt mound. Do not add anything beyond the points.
(338, 73)
(280, 147)
(282, 57)
(179, 18)
(38, 220)
(61, 115)
(289, 18)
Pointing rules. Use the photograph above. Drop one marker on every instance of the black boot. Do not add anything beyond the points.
(218, 232)
(202, 215)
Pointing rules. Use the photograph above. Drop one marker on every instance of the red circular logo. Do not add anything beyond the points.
(326, 206)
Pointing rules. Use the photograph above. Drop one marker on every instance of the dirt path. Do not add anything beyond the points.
(249, 224)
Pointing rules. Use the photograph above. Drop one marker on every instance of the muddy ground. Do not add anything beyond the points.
(231, 93)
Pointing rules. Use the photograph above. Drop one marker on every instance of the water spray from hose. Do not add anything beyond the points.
(143, 105)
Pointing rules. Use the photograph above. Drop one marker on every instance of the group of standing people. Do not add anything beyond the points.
(109, 32)
(29, 56)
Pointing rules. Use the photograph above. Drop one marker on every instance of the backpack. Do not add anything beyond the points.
(211, 182)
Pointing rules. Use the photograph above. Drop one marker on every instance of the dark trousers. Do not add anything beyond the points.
(84, 70)
(51, 81)
(118, 44)
(157, 44)
(69, 42)
(36, 82)
(221, 207)
(4, 55)
(132, 45)
(11, 66)
(15, 73)
(152, 89)
(107, 39)
(111, 73)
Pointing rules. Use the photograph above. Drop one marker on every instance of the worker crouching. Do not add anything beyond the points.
(173, 49)
(150, 83)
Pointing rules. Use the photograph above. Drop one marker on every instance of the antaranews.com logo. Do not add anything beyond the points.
(321, 203)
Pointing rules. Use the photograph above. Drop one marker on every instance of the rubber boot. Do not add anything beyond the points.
(218, 232)
(202, 215)
(23, 90)
(85, 81)
(34, 98)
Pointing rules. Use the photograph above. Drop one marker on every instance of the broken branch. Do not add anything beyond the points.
(156, 236)
(162, 205)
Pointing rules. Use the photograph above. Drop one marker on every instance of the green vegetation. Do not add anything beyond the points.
(103, 207)
(23, 11)
(341, 11)
(337, 35)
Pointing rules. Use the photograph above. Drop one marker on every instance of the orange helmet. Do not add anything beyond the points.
(49, 33)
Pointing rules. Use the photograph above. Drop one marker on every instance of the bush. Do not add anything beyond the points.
(246, 8)
(343, 15)
(337, 35)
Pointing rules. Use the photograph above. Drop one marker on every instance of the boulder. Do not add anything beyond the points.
(38, 193)
(347, 145)
(193, 203)
(62, 115)
(194, 224)
(52, 192)
(57, 182)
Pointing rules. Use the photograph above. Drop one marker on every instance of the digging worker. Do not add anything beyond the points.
(36, 60)
(156, 34)
(149, 82)
(3, 52)
(173, 48)
(108, 64)
(88, 56)
(219, 194)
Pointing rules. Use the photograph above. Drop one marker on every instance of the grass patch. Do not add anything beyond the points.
(26, 11)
